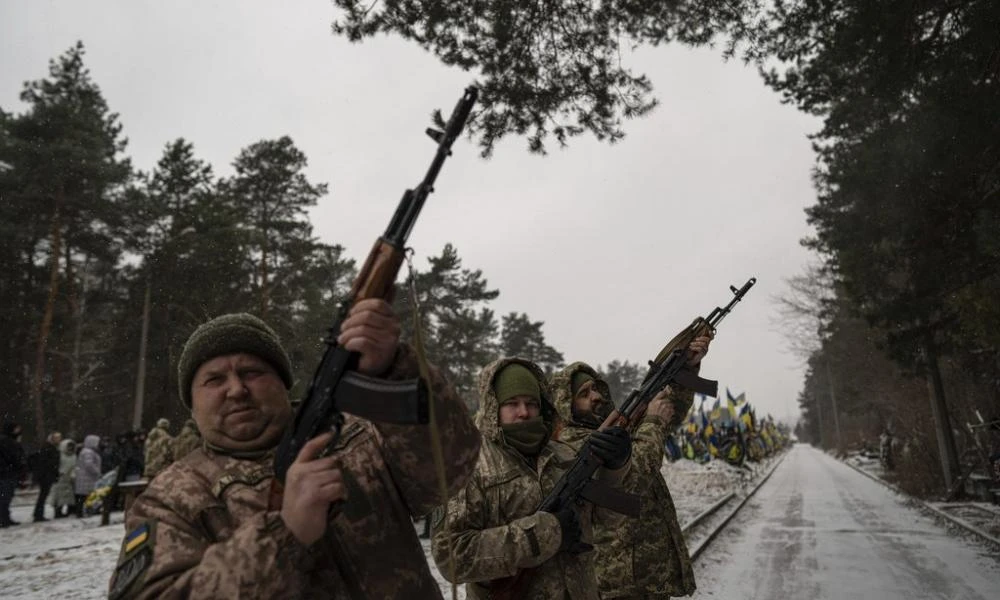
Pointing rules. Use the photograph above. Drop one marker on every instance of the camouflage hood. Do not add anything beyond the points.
(645, 557)
(492, 528)
(562, 390)
(488, 417)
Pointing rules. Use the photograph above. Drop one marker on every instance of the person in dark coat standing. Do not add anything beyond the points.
(13, 468)
(132, 457)
(46, 470)
(109, 454)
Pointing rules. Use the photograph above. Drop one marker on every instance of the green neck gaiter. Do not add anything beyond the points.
(527, 437)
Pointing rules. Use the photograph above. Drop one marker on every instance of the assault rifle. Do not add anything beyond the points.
(577, 484)
(336, 386)
(669, 366)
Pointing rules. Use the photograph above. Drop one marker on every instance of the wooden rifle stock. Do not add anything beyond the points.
(378, 274)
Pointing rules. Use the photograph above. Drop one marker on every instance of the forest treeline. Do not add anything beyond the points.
(89, 244)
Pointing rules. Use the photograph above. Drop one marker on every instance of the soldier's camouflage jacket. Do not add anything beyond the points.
(188, 440)
(159, 451)
(202, 528)
(646, 556)
(491, 528)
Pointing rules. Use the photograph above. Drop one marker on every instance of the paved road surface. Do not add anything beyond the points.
(818, 530)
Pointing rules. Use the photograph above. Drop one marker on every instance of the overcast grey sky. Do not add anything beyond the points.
(614, 247)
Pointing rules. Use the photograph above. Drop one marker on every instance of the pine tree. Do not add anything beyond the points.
(907, 215)
(522, 337)
(460, 330)
(549, 68)
(271, 191)
(64, 177)
(622, 377)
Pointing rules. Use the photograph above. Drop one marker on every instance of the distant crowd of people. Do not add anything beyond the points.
(67, 472)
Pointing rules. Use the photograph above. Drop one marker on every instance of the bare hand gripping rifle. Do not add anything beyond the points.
(577, 483)
(336, 386)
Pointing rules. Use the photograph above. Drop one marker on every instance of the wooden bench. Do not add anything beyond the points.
(129, 490)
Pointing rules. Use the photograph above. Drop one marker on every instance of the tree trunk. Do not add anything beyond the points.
(46, 326)
(939, 408)
(75, 298)
(263, 280)
(20, 339)
(819, 419)
(833, 402)
(140, 378)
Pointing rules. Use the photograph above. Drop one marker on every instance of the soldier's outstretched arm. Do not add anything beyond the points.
(682, 397)
(466, 550)
(167, 552)
(408, 449)
(648, 446)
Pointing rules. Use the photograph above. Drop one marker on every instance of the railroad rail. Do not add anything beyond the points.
(941, 510)
(717, 506)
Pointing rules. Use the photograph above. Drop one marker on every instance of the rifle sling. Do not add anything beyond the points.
(602, 494)
(691, 381)
(395, 402)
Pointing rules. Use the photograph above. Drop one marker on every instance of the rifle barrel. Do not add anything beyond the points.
(720, 313)
(445, 139)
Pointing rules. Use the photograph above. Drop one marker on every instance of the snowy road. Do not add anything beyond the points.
(819, 530)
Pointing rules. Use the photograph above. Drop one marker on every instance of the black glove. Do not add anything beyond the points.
(613, 446)
(569, 525)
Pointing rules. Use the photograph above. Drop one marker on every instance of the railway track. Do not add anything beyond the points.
(980, 520)
(703, 528)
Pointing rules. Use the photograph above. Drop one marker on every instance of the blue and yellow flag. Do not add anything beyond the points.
(746, 417)
(733, 411)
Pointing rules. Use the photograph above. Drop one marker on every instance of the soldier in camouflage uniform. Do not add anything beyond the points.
(492, 530)
(645, 557)
(188, 440)
(159, 449)
(205, 527)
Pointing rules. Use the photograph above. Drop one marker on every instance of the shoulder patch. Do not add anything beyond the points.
(135, 558)
(249, 477)
(137, 537)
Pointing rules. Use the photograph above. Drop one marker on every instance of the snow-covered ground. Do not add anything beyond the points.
(73, 558)
(984, 516)
(65, 558)
(869, 464)
(820, 530)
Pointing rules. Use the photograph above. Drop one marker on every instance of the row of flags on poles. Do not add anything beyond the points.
(735, 413)
(730, 429)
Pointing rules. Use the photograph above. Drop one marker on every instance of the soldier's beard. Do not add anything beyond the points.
(592, 419)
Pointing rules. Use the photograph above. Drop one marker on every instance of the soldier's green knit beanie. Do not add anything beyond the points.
(515, 380)
(228, 334)
(579, 378)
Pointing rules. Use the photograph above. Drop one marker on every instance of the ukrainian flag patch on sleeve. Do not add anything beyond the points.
(135, 558)
(136, 537)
